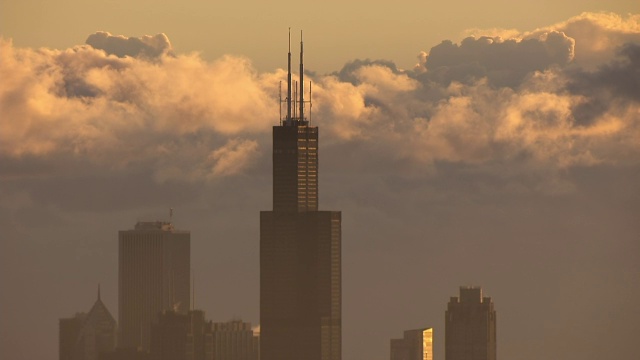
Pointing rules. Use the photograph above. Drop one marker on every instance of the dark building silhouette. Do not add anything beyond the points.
(235, 340)
(190, 337)
(470, 326)
(300, 248)
(86, 336)
(169, 336)
(153, 276)
(415, 345)
(125, 354)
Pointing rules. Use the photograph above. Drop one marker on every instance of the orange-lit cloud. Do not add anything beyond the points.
(527, 100)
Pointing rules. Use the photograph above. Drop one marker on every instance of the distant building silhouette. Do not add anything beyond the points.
(190, 337)
(125, 354)
(470, 326)
(416, 345)
(169, 336)
(300, 248)
(153, 276)
(235, 340)
(86, 336)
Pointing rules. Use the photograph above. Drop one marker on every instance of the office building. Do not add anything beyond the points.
(235, 340)
(189, 336)
(153, 276)
(87, 335)
(470, 326)
(415, 345)
(300, 247)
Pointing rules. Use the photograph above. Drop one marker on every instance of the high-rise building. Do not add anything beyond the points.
(415, 345)
(470, 326)
(87, 335)
(300, 247)
(153, 276)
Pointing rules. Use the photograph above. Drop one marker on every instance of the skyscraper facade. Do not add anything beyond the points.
(300, 248)
(153, 276)
(415, 345)
(470, 326)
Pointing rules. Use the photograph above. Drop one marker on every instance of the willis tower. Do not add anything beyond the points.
(300, 247)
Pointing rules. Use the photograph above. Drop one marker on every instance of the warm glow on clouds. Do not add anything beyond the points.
(486, 99)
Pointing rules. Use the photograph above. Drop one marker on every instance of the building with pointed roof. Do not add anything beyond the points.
(86, 335)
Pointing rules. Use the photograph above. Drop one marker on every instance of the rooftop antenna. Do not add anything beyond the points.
(193, 290)
(170, 215)
(295, 98)
(310, 103)
(301, 112)
(280, 101)
(289, 80)
(98, 291)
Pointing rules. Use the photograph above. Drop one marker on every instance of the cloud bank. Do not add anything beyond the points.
(538, 103)
(121, 46)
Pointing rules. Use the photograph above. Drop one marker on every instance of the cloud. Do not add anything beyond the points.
(82, 104)
(597, 35)
(504, 62)
(493, 103)
(146, 46)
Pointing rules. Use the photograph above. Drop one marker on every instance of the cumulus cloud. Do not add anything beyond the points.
(522, 102)
(146, 46)
(504, 62)
(597, 35)
(83, 104)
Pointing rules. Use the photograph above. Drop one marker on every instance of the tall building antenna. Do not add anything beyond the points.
(98, 291)
(301, 115)
(280, 101)
(310, 103)
(193, 289)
(289, 80)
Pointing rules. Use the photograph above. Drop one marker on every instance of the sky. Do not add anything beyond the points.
(494, 144)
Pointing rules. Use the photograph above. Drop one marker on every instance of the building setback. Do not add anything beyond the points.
(153, 277)
(300, 248)
(415, 345)
(470, 326)
(86, 336)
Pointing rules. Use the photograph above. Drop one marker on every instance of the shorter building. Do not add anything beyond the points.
(86, 336)
(470, 326)
(125, 354)
(235, 340)
(190, 337)
(416, 345)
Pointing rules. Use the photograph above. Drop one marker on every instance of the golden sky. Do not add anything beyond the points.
(335, 31)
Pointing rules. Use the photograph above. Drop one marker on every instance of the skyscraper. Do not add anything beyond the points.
(470, 326)
(153, 276)
(300, 247)
(415, 345)
(86, 336)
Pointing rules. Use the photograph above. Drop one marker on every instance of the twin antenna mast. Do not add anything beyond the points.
(295, 100)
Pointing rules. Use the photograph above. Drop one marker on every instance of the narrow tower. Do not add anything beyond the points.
(300, 248)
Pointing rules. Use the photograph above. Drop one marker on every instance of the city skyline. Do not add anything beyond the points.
(510, 163)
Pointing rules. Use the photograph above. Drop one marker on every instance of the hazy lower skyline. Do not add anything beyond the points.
(510, 163)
